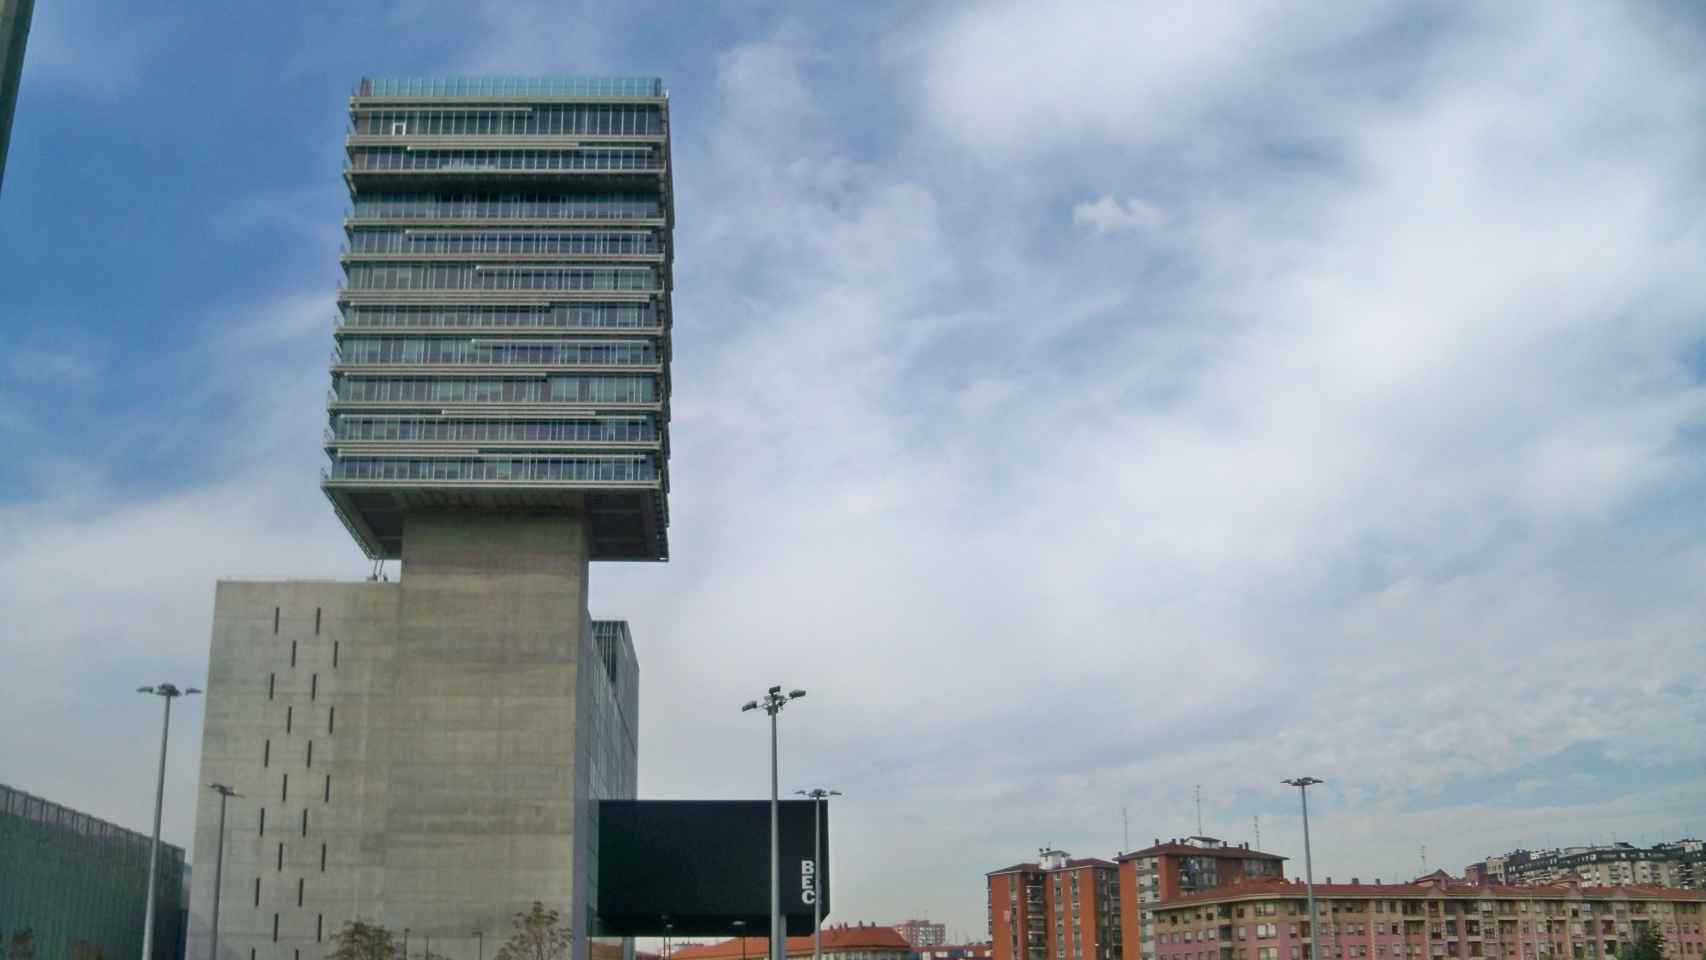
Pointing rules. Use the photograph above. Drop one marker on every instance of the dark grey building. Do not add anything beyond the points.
(78, 884)
(428, 753)
(14, 32)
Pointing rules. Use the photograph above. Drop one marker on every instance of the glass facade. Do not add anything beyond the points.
(79, 884)
(504, 316)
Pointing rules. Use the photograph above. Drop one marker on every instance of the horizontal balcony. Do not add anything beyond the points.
(475, 298)
(347, 257)
(529, 89)
(500, 141)
(556, 319)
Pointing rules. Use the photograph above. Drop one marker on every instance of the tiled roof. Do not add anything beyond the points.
(1186, 850)
(834, 939)
(1429, 887)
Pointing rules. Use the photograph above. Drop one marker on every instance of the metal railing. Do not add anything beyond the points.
(558, 86)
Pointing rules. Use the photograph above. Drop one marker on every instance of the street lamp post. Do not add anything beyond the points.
(818, 795)
(772, 703)
(1303, 784)
(168, 693)
(740, 931)
(225, 793)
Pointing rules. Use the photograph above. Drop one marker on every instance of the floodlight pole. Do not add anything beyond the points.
(817, 795)
(168, 693)
(1303, 784)
(225, 793)
(772, 703)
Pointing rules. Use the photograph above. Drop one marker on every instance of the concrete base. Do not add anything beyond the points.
(417, 747)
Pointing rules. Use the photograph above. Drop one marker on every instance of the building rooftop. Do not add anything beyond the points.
(501, 86)
(1187, 850)
(834, 938)
(1431, 886)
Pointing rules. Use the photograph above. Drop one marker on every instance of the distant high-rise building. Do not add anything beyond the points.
(1163, 872)
(427, 754)
(1057, 907)
(923, 933)
(1432, 918)
(1680, 863)
(78, 884)
(14, 34)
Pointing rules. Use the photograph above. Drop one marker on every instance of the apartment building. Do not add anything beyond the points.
(1680, 863)
(1057, 908)
(1431, 919)
(1164, 872)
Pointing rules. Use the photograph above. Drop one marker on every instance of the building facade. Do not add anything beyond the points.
(840, 942)
(923, 933)
(1681, 863)
(1164, 872)
(1059, 907)
(1435, 919)
(78, 884)
(15, 16)
(427, 754)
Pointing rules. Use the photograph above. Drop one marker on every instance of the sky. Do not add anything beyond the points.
(1085, 403)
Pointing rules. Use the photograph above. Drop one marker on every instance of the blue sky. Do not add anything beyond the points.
(1085, 403)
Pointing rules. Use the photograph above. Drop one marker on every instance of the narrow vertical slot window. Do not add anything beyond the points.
(316, 621)
(310, 753)
(331, 718)
(293, 653)
(266, 754)
(284, 789)
(275, 620)
(257, 891)
(289, 716)
(280, 865)
(275, 928)
(305, 821)
(328, 788)
(314, 687)
(263, 821)
(319, 927)
(334, 653)
(322, 858)
(272, 685)
(299, 888)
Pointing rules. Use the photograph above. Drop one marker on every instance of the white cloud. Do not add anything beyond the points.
(1108, 214)
(1382, 470)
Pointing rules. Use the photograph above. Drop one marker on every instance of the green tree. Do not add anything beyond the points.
(363, 941)
(21, 945)
(538, 936)
(1647, 946)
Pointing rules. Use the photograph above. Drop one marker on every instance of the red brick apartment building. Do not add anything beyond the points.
(1164, 872)
(1057, 908)
(1431, 919)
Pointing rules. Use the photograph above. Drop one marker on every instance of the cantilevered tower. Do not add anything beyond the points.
(503, 339)
(427, 753)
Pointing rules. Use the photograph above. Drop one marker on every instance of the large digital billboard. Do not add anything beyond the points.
(701, 865)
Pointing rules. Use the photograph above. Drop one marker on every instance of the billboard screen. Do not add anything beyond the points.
(701, 865)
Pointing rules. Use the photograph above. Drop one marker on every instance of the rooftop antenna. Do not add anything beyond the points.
(1199, 809)
(1125, 822)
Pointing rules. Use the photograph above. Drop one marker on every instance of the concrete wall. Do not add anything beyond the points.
(444, 735)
